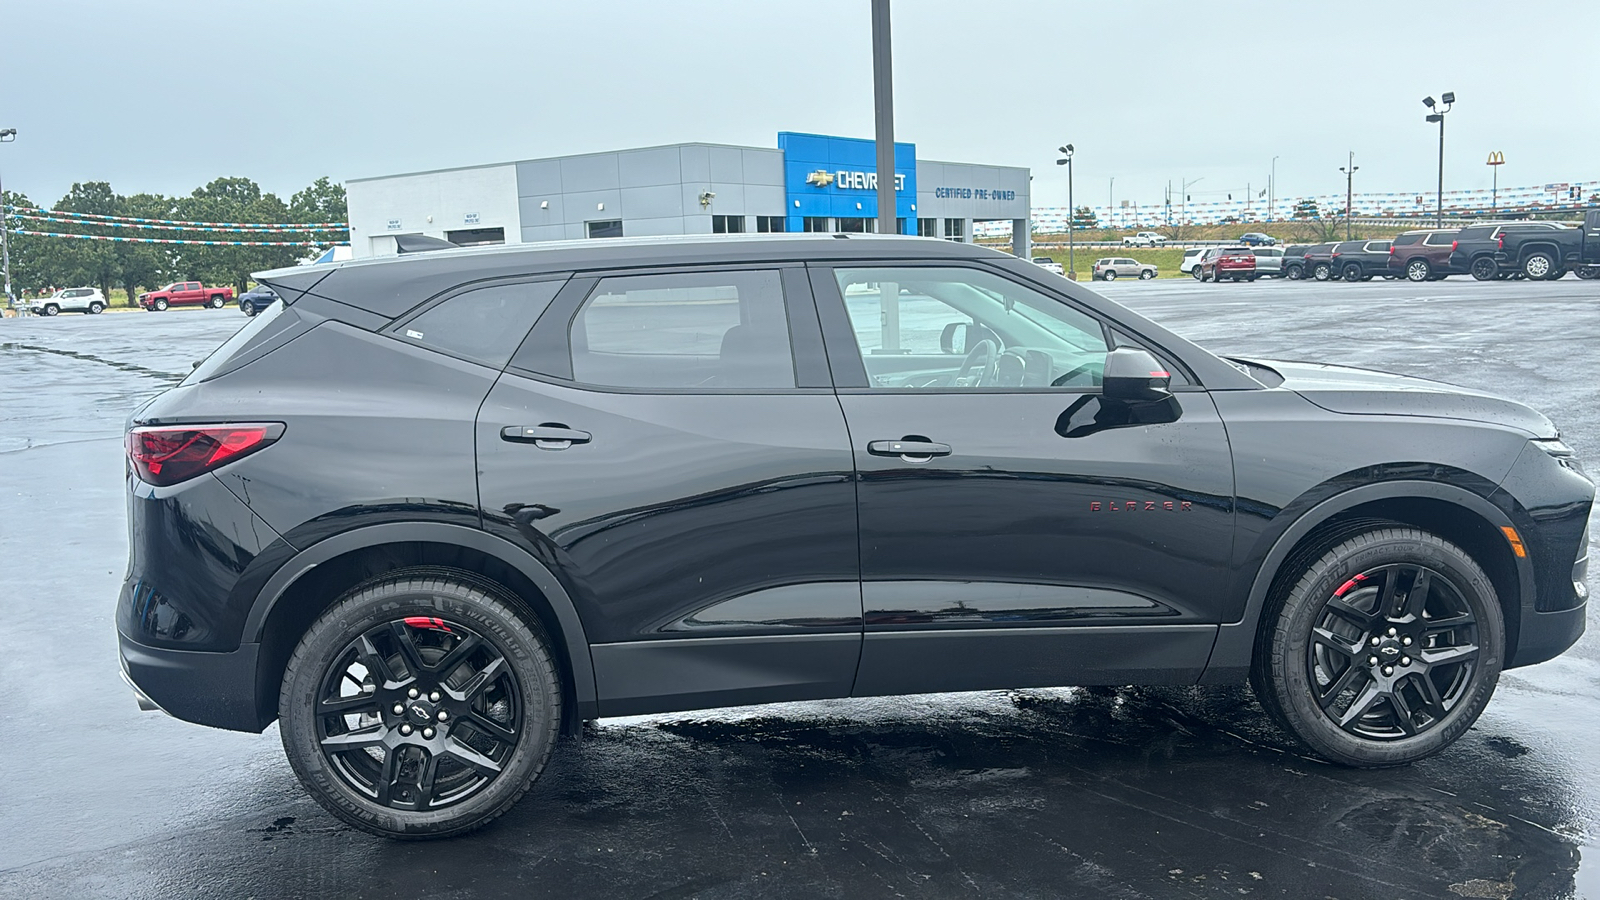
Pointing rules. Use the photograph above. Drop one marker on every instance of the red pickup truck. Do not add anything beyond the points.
(186, 293)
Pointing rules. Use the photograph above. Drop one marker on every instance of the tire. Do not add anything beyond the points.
(1322, 271)
(96, 309)
(482, 772)
(1484, 268)
(217, 302)
(1309, 672)
(1196, 273)
(1418, 270)
(50, 309)
(1294, 273)
(249, 309)
(1146, 274)
(1351, 272)
(1589, 272)
(160, 304)
(1542, 266)
(1110, 275)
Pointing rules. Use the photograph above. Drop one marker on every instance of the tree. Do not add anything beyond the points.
(29, 262)
(83, 262)
(145, 265)
(322, 201)
(1083, 217)
(233, 200)
(1306, 209)
(1320, 227)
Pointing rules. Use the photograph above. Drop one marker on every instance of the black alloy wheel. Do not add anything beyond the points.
(1385, 650)
(1322, 271)
(420, 705)
(1418, 270)
(1351, 272)
(1484, 268)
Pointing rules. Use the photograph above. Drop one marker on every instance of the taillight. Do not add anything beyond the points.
(1454, 245)
(1501, 241)
(168, 454)
(1391, 249)
(1335, 254)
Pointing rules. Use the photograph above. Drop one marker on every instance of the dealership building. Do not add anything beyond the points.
(811, 182)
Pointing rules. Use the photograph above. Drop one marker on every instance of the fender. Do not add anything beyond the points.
(1235, 645)
(566, 613)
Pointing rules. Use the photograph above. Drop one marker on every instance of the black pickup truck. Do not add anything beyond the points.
(1553, 253)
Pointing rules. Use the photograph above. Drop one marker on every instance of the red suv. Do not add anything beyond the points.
(186, 293)
(1423, 255)
(1232, 263)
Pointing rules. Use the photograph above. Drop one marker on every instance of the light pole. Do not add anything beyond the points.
(1183, 205)
(1349, 170)
(7, 135)
(1496, 160)
(1111, 202)
(1272, 192)
(883, 115)
(1448, 98)
(1072, 263)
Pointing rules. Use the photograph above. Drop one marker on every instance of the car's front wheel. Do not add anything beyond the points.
(1384, 649)
(422, 704)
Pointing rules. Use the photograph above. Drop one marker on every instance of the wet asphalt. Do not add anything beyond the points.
(1039, 793)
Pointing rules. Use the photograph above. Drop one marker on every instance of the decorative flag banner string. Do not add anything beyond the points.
(241, 227)
(130, 240)
(265, 226)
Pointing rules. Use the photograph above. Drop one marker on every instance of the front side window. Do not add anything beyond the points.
(958, 329)
(484, 325)
(712, 330)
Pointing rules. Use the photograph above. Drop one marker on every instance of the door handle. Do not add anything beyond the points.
(909, 450)
(545, 436)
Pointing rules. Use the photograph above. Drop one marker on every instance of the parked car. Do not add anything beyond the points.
(1294, 261)
(1476, 245)
(405, 517)
(1257, 239)
(1227, 263)
(1269, 262)
(1191, 260)
(1112, 268)
(1423, 255)
(1548, 255)
(79, 300)
(1318, 262)
(1144, 239)
(262, 296)
(1049, 265)
(186, 293)
(1360, 260)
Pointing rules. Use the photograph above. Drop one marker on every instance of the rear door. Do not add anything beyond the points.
(669, 443)
(1017, 529)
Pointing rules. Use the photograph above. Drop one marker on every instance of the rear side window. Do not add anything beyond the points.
(483, 325)
(1406, 239)
(1441, 239)
(703, 330)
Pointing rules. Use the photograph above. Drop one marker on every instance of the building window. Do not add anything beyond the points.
(608, 229)
(856, 225)
(773, 224)
(816, 223)
(900, 225)
(927, 227)
(953, 229)
(473, 237)
(727, 224)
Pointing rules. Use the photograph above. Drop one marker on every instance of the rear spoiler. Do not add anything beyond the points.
(420, 243)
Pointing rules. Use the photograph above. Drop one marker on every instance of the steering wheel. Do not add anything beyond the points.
(1010, 370)
(986, 350)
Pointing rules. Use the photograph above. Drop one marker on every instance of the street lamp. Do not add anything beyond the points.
(1496, 160)
(1349, 170)
(7, 135)
(1448, 98)
(1066, 160)
(1272, 192)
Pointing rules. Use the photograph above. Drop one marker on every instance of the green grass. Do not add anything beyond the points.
(1165, 259)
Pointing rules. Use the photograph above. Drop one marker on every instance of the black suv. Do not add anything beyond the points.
(1477, 246)
(1360, 260)
(432, 511)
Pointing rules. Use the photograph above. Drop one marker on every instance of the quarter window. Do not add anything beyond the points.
(684, 331)
(484, 325)
(958, 329)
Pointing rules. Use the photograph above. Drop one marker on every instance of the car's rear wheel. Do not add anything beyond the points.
(1384, 648)
(1294, 273)
(160, 305)
(1322, 271)
(1418, 270)
(1350, 272)
(1540, 266)
(1196, 273)
(50, 309)
(1146, 275)
(1110, 275)
(217, 302)
(1484, 268)
(96, 309)
(420, 705)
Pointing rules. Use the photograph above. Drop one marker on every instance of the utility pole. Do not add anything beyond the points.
(1111, 202)
(1072, 212)
(1272, 192)
(1183, 204)
(1448, 98)
(1496, 160)
(883, 109)
(7, 135)
(1349, 171)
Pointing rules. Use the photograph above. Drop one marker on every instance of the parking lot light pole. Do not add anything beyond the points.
(1496, 160)
(1448, 98)
(1272, 192)
(1072, 211)
(7, 135)
(883, 109)
(1349, 170)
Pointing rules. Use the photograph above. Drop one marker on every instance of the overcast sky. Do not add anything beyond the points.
(163, 95)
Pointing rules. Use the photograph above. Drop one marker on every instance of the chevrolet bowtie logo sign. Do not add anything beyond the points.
(820, 178)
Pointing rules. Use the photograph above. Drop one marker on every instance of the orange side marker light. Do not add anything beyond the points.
(1516, 542)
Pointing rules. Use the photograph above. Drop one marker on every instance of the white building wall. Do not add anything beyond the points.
(431, 203)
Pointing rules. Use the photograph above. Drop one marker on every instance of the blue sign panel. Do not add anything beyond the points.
(837, 177)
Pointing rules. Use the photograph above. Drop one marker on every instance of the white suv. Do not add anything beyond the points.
(1145, 239)
(1191, 260)
(1049, 265)
(84, 300)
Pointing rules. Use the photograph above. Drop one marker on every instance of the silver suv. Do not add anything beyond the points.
(1269, 261)
(1113, 267)
(83, 300)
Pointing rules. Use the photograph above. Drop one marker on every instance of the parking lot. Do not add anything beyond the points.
(1036, 793)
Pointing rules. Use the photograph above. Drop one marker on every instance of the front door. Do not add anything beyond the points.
(1017, 528)
(670, 445)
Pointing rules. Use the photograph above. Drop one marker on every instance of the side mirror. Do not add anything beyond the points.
(1134, 376)
(954, 338)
